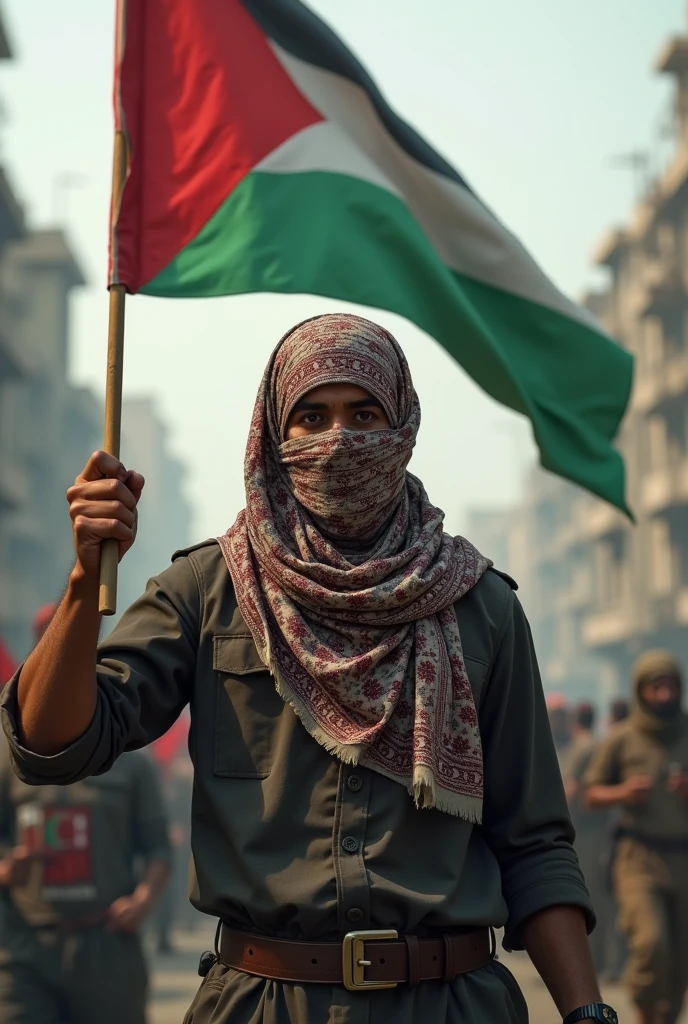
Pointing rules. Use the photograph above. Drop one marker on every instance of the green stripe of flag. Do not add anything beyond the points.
(339, 236)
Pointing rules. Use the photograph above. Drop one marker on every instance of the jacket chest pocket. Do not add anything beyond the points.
(247, 710)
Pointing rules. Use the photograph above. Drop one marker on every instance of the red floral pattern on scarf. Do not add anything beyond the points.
(346, 579)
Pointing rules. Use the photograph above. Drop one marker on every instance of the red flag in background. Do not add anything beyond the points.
(7, 665)
(168, 746)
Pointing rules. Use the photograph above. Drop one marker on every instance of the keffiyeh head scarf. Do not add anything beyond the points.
(656, 664)
(346, 579)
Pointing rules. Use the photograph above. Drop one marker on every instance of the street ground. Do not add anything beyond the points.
(174, 978)
(542, 1009)
(174, 981)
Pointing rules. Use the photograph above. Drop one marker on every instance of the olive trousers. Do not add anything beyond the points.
(84, 977)
(489, 995)
(652, 896)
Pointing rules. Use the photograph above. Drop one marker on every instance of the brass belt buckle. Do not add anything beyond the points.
(354, 962)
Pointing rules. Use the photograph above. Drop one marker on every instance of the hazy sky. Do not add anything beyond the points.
(531, 100)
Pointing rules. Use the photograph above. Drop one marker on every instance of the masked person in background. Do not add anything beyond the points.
(642, 769)
(72, 898)
(375, 783)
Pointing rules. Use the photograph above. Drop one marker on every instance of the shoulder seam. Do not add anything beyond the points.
(181, 552)
(199, 576)
(505, 576)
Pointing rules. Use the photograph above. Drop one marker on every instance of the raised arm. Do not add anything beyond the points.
(603, 785)
(631, 792)
(72, 708)
(56, 694)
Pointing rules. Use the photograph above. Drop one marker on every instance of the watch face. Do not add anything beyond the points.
(609, 1015)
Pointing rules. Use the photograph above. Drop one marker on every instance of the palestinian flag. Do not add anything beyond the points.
(263, 158)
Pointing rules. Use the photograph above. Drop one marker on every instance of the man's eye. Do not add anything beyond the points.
(311, 418)
(365, 416)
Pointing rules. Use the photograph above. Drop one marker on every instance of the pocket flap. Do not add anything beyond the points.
(236, 655)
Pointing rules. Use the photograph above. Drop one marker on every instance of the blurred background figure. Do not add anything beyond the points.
(642, 768)
(171, 754)
(81, 869)
(612, 939)
(618, 711)
(590, 826)
(559, 715)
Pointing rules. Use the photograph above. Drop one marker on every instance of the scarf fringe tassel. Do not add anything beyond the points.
(422, 788)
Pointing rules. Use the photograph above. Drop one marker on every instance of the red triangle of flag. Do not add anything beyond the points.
(202, 99)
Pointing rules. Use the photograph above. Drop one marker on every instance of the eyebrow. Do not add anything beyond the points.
(364, 403)
(304, 406)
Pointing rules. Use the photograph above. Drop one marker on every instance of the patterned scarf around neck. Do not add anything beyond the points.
(346, 579)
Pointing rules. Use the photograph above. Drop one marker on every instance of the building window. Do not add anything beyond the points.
(666, 245)
(611, 572)
(654, 345)
(661, 558)
(658, 441)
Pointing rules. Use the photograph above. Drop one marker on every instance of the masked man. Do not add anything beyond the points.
(642, 768)
(375, 781)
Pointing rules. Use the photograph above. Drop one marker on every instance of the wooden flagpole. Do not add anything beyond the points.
(109, 552)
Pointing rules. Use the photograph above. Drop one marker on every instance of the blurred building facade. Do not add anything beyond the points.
(598, 589)
(47, 426)
(490, 530)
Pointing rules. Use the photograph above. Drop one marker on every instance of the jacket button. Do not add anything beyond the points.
(350, 844)
(354, 915)
(354, 782)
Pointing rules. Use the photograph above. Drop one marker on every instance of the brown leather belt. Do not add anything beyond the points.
(364, 960)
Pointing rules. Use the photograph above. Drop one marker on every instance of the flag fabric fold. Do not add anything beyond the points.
(263, 158)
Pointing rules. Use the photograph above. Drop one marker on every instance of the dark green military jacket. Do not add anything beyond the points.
(289, 841)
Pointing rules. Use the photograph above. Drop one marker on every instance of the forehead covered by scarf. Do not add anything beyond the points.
(350, 482)
(654, 664)
(339, 348)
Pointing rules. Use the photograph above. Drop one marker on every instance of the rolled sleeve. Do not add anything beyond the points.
(525, 819)
(145, 672)
(60, 769)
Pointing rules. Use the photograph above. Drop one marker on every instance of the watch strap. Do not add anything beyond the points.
(592, 1011)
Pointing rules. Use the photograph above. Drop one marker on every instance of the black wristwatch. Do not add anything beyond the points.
(592, 1011)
